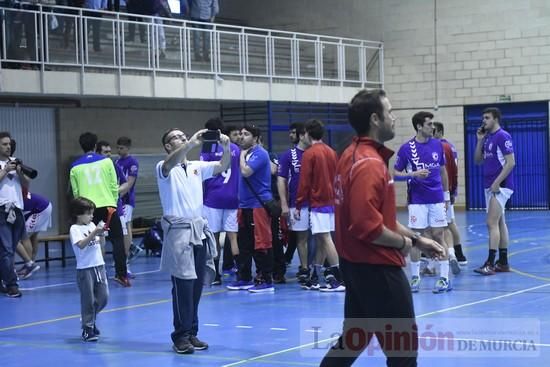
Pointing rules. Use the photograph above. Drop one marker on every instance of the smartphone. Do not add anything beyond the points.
(211, 136)
(482, 128)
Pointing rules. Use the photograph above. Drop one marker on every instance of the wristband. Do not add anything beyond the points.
(447, 196)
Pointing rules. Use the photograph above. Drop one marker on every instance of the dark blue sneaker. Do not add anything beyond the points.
(262, 288)
(88, 334)
(240, 285)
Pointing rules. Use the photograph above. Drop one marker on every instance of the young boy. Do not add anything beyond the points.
(90, 267)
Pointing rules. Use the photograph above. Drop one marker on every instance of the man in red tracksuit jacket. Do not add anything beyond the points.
(371, 243)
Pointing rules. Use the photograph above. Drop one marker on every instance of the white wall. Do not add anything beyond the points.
(484, 49)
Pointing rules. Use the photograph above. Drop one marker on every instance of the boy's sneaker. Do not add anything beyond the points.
(312, 284)
(302, 275)
(442, 285)
(501, 268)
(96, 331)
(333, 286)
(262, 288)
(183, 347)
(28, 270)
(123, 281)
(415, 284)
(455, 267)
(240, 285)
(88, 334)
(197, 343)
(485, 269)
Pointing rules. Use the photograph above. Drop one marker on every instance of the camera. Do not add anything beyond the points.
(211, 136)
(28, 171)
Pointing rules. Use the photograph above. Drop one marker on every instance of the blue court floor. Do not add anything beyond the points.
(283, 329)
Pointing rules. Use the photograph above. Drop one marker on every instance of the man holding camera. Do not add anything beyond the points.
(12, 223)
(188, 244)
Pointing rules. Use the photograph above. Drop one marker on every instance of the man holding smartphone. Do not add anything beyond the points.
(494, 149)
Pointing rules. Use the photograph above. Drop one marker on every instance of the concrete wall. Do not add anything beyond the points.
(483, 50)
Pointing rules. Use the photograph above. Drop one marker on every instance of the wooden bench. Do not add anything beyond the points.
(63, 238)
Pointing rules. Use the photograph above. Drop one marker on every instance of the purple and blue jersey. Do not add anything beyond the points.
(290, 163)
(129, 167)
(221, 191)
(495, 147)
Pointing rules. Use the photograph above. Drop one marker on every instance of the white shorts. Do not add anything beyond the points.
(321, 222)
(128, 213)
(303, 223)
(220, 220)
(39, 222)
(422, 216)
(502, 197)
(450, 213)
(124, 226)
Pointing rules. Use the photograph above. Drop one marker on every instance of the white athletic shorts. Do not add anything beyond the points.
(303, 223)
(450, 213)
(422, 216)
(39, 222)
(321, 222)
(502, 197)
(220, 220)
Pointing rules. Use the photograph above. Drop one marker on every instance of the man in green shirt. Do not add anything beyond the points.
(93, 176)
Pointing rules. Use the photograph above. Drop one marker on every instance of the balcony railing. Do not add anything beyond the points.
(63, 38)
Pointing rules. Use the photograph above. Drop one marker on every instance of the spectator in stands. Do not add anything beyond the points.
(129, 167)
(221, 195)
(254, 237)
(137, 7)
(188, 245)
(90, 266)
(95, 20)
(203, 11)
(94, 177)
(12, 222)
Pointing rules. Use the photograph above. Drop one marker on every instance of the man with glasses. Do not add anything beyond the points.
(188, 245)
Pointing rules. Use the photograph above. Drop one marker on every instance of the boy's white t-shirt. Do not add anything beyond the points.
(90, 255)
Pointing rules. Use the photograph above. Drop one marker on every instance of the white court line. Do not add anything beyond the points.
(211, 324)
(72, 283)
(418, 316)
(244, 327)
(278, 329)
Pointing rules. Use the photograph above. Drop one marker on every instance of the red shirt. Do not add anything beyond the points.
(450, 166)
(365, 203)
(317, 173)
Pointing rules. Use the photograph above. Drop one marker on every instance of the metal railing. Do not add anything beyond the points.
(62, 38)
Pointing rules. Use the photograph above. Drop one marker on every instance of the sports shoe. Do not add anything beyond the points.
(328, 274)
(302, 275)
(130, 275)
(197, 343)
(427, 272)
(96, 331)
(333, 286)
(135, 251)
(501, 268)
(183, 347)
(485, 269)
(229, 273)
(462, 261)
(13, 292)
(279, 279)
(217, 280)
(27, 270)
(123, 281)
(442, 285)
(415, 284)
(262, 287)
(240, 285)
(312, 284)
(455, 268)
(88, 334)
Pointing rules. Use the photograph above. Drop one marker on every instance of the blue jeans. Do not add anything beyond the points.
(201, 40)
(10, 235)
(186, 294)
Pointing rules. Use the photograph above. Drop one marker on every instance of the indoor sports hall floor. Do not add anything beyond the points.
(42, 328)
